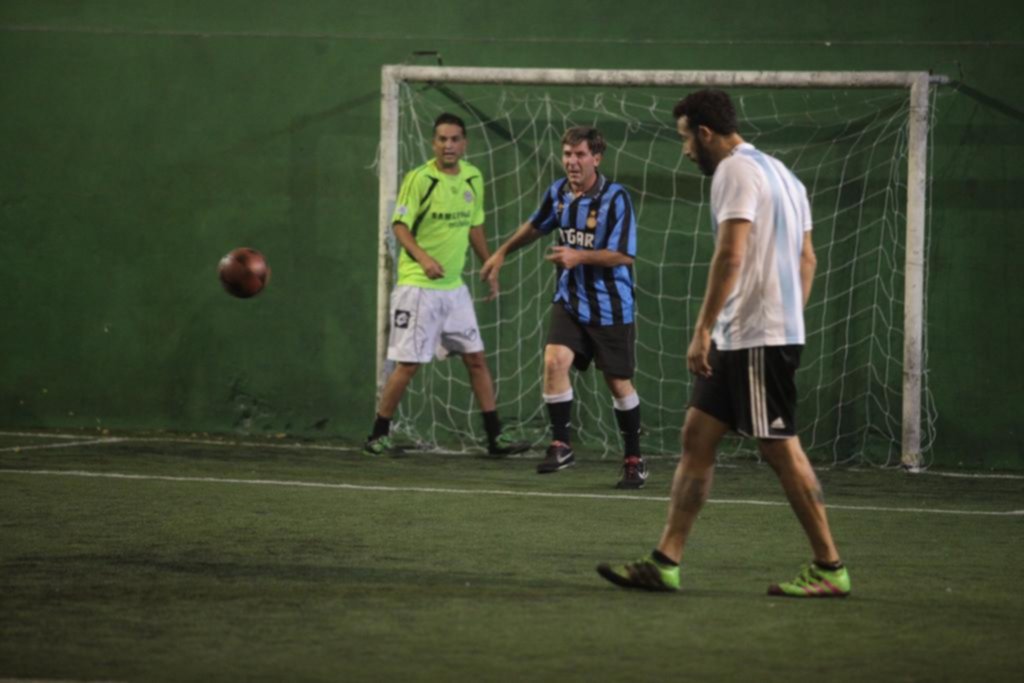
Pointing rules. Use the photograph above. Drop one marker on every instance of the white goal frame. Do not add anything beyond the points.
(917, 83)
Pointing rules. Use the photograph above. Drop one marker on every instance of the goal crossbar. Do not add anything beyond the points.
(660, 78)
(918, 84)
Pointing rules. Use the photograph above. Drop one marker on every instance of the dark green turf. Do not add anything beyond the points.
(154, 580)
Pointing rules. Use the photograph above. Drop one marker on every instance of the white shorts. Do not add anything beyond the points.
(425, 321)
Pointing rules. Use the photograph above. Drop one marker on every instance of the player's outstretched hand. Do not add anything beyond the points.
(697, 354)
(492, 284)
(489, 270)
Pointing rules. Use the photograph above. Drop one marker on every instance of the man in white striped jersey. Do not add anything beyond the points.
(746, 346)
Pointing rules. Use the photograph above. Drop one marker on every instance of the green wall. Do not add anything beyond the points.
(141, 141)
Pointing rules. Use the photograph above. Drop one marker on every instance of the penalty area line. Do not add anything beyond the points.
(479, 492)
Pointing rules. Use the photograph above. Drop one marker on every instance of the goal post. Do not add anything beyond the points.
(917, 86)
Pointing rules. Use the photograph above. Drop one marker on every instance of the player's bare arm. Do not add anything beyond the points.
(567, 257)
(478, 240)
(431, 268)
(808, 264)
(524, 234)
(722, 276)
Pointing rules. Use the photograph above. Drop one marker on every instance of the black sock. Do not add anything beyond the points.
(829, 566)
(381, 427)
(629, 427)
(662, 558)
(492, 425)
(561, 416)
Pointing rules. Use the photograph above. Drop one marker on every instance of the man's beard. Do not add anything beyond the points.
(704, 162)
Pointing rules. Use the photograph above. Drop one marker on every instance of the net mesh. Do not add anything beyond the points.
(849, 147)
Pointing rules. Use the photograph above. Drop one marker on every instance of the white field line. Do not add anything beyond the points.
(62, 444)
(48, 680)
(974, 475)
(480, 492)
(245, 444)
(132, 439)
(351, 449)
(46, 435)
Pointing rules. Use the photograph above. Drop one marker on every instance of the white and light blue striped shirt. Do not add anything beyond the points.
(766, 306)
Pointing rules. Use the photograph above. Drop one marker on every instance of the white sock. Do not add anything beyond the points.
(626, 402)
(558, 398)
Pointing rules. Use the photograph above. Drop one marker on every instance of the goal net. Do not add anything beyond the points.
(856, 148)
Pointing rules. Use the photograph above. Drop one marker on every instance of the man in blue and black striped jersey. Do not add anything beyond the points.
(593, 312)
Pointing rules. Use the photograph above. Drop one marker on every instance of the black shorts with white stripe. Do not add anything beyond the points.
(751, 390)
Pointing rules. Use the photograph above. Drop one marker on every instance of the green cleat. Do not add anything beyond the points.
(377, 446)
(505, 445)
(646, 574)
(815, 582)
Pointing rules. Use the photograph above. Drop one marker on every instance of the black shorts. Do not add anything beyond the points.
(611, 347)
(751, 390)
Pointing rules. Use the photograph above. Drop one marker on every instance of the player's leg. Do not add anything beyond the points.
(626, 404)
(615, 355)
(770, 415)
(395, 388)
(558, 359)
(498, 443)
(692, 480)
(415, 329)
(709, 417)
(558, 391)
(480, 380)
(566, 347)
(379, 441)
(461, 334)
(558, 397)
(804, 493)
(825, 576)
(691, 484)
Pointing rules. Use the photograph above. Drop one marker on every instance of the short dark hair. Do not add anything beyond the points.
(450, 119)
(711, 108)
(592, 136)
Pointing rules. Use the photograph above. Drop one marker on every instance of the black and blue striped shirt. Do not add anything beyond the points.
(601, 218)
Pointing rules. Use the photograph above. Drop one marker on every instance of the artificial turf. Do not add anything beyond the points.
(286, 561)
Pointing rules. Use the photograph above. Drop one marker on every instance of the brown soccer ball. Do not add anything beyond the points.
(244, 272)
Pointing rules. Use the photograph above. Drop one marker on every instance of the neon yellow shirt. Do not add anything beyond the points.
(439, 209)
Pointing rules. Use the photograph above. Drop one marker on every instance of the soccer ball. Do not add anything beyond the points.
(244, 272)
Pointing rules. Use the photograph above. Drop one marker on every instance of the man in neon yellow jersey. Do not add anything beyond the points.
(439, 213)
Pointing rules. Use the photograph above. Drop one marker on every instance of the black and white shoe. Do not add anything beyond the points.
(634, 473)
(558, 457)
